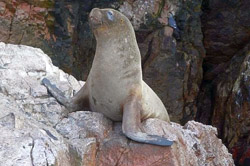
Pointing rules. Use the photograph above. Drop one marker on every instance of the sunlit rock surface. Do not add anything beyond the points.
(34, 130)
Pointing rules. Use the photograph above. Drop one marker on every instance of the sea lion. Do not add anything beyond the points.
(114, 85)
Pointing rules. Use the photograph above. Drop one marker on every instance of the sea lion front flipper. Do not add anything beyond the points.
(77, 102)
(131, 125)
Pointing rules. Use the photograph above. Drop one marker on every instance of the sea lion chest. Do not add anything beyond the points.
(114, 71)
(106, 95)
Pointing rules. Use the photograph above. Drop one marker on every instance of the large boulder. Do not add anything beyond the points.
(34, 130)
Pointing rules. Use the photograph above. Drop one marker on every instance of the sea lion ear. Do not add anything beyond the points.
(110, 15)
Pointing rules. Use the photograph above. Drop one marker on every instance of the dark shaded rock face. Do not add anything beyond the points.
(233, 96)
(59, 27)
(173, 68)
(225, 103)
(226, 30)
(75, 45)
(223, 100)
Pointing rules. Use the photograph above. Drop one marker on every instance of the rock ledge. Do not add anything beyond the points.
(35, 132)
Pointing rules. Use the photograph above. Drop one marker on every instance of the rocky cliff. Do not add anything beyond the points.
(223, 100)
(34, 131)
(200, 71)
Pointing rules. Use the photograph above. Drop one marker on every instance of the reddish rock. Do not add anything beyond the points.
(33, 125)
(195, 145)
(245, 159)
(113, 153)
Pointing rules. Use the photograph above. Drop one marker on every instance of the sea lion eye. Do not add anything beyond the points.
(110, 15)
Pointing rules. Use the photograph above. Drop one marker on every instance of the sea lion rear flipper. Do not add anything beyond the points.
(54, 91)
(131, 125)
(77, 102)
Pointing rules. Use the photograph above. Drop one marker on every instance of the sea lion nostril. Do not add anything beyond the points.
(95, 14)
(95, 18)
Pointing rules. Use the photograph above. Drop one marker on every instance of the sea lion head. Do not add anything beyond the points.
(108, 22)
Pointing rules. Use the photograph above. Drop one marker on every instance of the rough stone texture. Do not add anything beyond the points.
(192, 138)
(230, 109)
(27, 113)
(27, 142)
(172, 68)
(226, 28)
(224, 97)
(34, 131)
(26, 22)
(171, 65)
(144, 13)
(60, 28)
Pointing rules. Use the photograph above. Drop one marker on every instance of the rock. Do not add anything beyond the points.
(226, 29)
(230, 112)
(82, 124)
(223, 100)
(26, 141)
(35, 132)
(8, 121)
(172, 68)
(60, 28)
(192, 147)
(27, 133)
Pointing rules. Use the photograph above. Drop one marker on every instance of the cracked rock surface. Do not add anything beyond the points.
(35, 132)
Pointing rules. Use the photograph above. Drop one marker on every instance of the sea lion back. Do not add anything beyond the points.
(152, 105)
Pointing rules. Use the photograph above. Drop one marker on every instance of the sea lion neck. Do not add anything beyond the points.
(113, 35)
(115, 30)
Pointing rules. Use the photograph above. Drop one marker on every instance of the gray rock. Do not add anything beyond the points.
(8, 121)
(34, 131)
(81, 124)
(28, 114)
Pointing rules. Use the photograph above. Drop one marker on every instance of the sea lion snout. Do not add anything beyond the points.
(95, 17)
